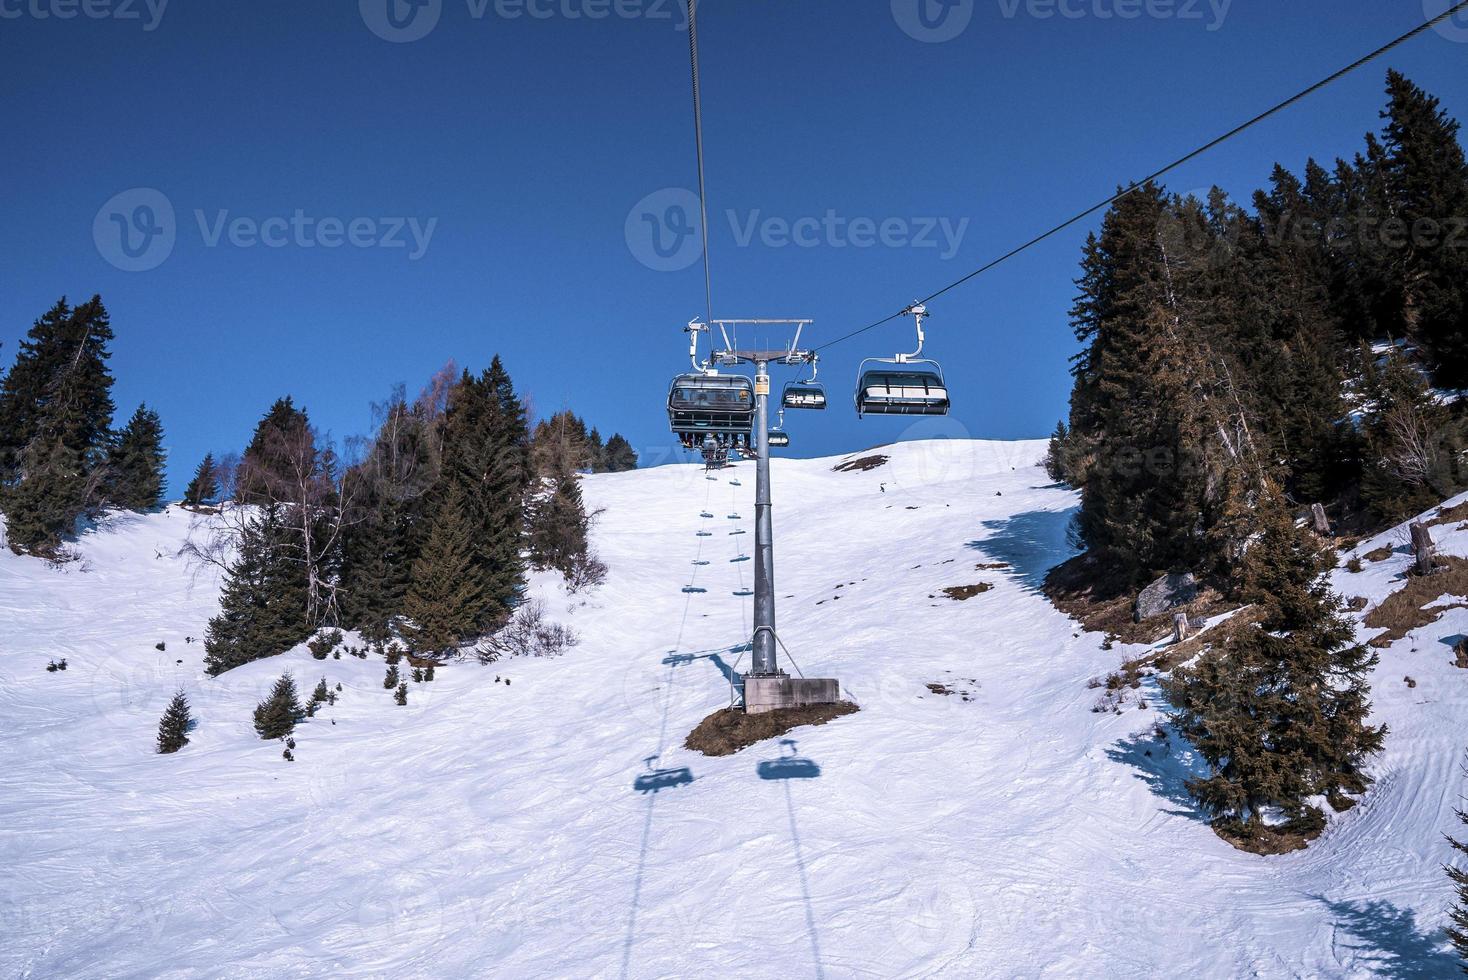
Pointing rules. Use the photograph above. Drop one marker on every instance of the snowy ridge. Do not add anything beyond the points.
(485, 829)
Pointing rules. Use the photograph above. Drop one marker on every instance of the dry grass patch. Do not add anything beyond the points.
(1079, 589)
(1401, 612)
(728, 730)
(1450, 515)
(991, 566)
(962, 593)
(1380, 554)
(1295, 836)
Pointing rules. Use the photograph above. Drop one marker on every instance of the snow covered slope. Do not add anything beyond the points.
(484, 829)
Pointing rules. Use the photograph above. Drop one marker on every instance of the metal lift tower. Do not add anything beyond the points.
(766, 686)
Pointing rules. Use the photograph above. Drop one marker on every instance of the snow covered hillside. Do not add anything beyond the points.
(1002, 829)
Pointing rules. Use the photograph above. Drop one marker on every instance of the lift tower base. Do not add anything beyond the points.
(772, 692)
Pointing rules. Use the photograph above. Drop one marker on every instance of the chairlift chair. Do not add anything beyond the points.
(907, 384)
(778, 439)
(806, 394)
(711, 407)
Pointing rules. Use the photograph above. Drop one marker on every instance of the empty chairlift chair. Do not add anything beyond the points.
(908, 384)
(808, 394)
(908, 388)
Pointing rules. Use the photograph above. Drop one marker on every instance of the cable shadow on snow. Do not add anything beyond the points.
(791, 765)
(1391, 941)
(1165, 765)
(1030, 544)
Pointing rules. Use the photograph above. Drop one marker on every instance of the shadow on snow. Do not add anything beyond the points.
(1031, 543)
(1390, 940)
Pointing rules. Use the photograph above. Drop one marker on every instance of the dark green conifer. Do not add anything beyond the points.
(263, 604)
(619, 454)
(203, 489)
(401, 697)
(173, 729)
(277, 715)
(135, 463)
(447, 597)
(1458, 874)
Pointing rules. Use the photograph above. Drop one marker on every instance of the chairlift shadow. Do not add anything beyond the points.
(788, 766)
(660, 779)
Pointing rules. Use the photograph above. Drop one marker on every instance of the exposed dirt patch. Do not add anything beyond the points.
(861, 465)
(953, 689)
(1401, 612)
(1461, 650)
(993, 566)
(1260, 839)
(728, 730)
(962, 593)
(1358, 603)
(1380, 554)
(1081, 590)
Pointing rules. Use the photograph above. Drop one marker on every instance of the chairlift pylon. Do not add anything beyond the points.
(907, 384)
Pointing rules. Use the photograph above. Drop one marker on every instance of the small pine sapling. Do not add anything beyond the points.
(276, 716)
(428, 673)
(1458, 931)
(322, 692)
(391, 680)
(402, 696)
(417, 675)
(173, 729)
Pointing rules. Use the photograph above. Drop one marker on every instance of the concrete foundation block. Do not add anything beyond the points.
(763, 694)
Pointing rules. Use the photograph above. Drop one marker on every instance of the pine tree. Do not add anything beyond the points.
(322, 692)
(619, 454)
(558, 524)
(269, 463)
(401, 697)
(392, 491)
(1135, 405)
(173, 729)
(135, 463)
(447, 596)
(277, 715)
(1279, 711)
(55, 425)
(263, 603)
(485, 472)
(203, 489)
(1426, 177)
(1412, 443)
(1458, 931)
(1055, 456)
(390, 679)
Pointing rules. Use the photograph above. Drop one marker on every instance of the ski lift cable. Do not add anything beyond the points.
(1281, 107)
(708, 289)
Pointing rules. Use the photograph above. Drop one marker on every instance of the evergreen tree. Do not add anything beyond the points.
(598, 452)
(401, 697)
(619, 454)
(263, 603)
(277, 715)
(446, 598)
(23, 392)
(271, 462)
(135, 463)
(1426, 178)
(55, 425)
(558, 524)
(1279, 710)
(1055, 456)
(1458, 931)
(1136, 407)
(204, 487)
(173, 729)
(1412, 443)
(383, 540)
(485, 472)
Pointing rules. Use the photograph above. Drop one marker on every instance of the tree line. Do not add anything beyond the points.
(425, 534)
(1239, 364)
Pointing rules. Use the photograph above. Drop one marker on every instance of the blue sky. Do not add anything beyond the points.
(354, 205)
